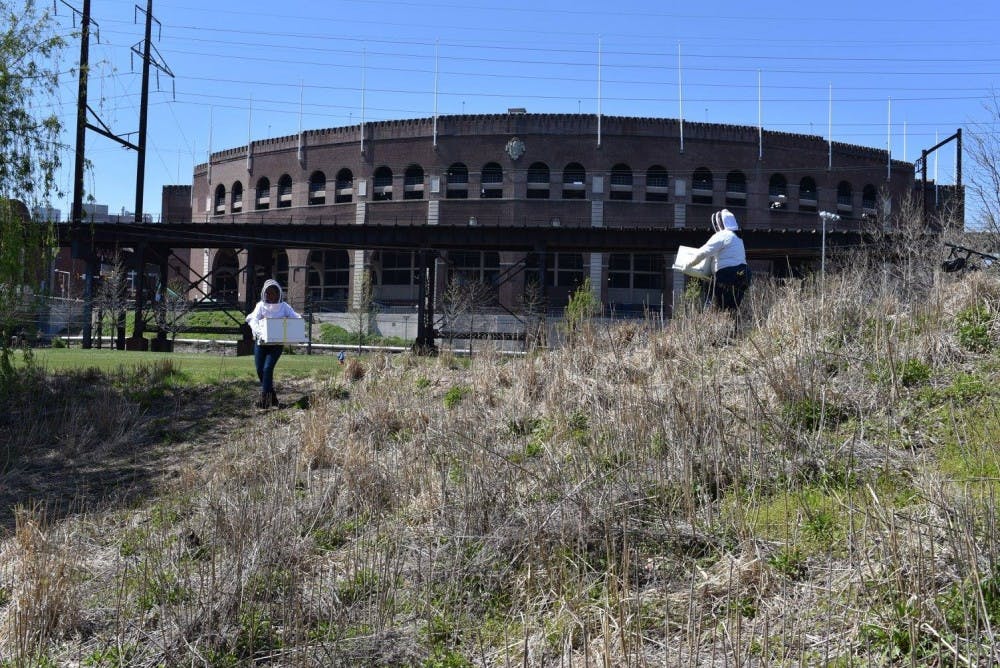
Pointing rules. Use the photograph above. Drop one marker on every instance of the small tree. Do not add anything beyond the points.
(364, 308)
(172, 309)
(461, 299)
(112, 295)
(582, 307)
(533, 304)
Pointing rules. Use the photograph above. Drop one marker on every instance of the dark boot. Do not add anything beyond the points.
(273, 397)
(264, 401)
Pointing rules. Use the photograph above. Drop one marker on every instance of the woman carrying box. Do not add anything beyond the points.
(729, 257)
(265, 356)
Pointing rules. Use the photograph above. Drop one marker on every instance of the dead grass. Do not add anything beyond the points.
(687, 495)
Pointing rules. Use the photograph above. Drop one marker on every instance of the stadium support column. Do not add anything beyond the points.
(597, 220)
(138, 342)
(424, 343)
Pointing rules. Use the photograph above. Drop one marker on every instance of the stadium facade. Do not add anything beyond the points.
(522, 169)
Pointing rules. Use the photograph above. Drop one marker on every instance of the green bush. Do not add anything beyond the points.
(337, 335)
(973, 325)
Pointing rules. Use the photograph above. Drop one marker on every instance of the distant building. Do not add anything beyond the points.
(46, 214)
(566, 170)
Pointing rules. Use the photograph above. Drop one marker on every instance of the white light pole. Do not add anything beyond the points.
(831, 217)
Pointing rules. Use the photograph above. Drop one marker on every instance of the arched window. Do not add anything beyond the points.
(492, 181)
(220, 200)
(702, 185)
(280, 269)
(329, 276)
(263, 196)
(538, 181)
(413, 182)
(284, 191)
(621, 182)
(736, 188)
(317, 188)
(657, 182)
(869, 198)
(382, 184)
(236, 198)
(845, 198)
(807, 194)
(344, 186)
(225, 269)
(458, 181)
(777, 191)
(574, 181)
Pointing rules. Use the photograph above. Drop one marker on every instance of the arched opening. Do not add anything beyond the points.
(236, 198)
(621, 182)
(777, 191)
(262, 199)
(538, 181)
(702, 186)
(317, 188)
(657, 184)
(574, 181)
(458, 181)
(491, 180)
(382, 184)
(845, 198)
(736, 188)
(284, 191)
(225, 269)
(219, 205)
(413, 182)
(344, 186)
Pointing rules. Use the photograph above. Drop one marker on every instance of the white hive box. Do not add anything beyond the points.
(701, 270)
(283, 330)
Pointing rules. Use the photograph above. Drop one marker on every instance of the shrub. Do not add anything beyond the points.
(973, 325)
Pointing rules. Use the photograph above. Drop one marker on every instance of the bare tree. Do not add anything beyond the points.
(171, 309)
(460, 301)
(983, 148)
(364, 308)
(533, 304)
(112, 297)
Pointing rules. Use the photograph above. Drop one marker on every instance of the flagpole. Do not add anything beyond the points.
(299, 151)
(364, 65)
(760, 120)
(680, 95)
(829, 132)
(888, 143)
(598, 90)
(436, 74)
(250, 135)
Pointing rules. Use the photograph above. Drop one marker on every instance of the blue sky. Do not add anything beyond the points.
(899, 74)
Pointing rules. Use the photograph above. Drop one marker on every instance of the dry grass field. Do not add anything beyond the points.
(818, 488)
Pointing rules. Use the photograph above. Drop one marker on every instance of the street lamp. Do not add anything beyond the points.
(831, 217)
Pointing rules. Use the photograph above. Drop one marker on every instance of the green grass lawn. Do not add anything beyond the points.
(195, 367)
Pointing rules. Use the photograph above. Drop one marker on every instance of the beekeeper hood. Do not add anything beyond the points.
(268, 283)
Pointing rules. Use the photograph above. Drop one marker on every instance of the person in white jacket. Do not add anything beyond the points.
(729, 260)
(271, 305)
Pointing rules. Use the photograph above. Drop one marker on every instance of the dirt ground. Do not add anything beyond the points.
(76, 471)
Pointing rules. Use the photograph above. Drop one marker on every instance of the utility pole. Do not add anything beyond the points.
(140, 171)
(79, 160)
(147, 60)
(82, 125)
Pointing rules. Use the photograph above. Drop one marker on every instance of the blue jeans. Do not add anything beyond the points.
(730, 285)
(265, 358)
